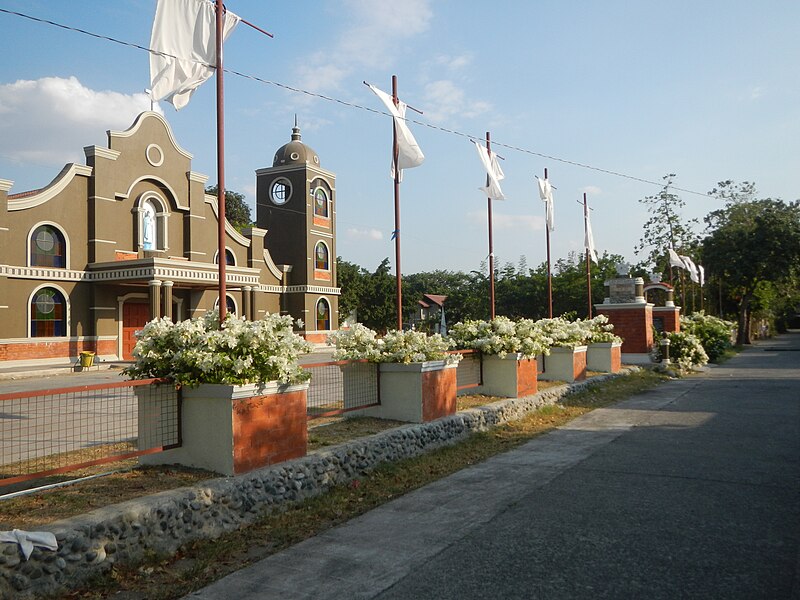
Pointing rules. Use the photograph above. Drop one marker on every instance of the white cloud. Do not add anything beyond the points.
(757, 92)
(46, 121)
(454, 63)
(354, 233)
(375, 31)
(503, 222)
(444, 100)
(591, 190)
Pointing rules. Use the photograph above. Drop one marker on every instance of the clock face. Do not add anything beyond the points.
(280, 191)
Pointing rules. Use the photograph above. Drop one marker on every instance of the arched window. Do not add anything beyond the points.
(48, 313)
(321, 202)
(230, 305)
(321, 261)
(48, 247)
(230, 258)
(323, 315)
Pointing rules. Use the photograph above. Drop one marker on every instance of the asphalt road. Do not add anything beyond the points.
(691, 490)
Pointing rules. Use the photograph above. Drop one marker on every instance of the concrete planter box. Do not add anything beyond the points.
(235, 429)
(605, 357)
(415, 393)
(509, 377)
(565, 364)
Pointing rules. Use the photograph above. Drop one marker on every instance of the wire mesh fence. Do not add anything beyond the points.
(341, 386)
(48, 432)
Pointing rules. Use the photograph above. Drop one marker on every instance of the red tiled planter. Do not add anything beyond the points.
(510, 377)
(565, 364)
(235, 429)
(605, 357)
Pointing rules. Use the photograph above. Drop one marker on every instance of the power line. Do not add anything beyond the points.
(355, 105)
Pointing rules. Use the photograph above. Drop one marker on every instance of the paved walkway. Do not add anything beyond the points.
(690, 490)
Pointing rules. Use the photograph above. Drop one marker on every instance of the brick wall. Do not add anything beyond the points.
(269, 429)
(438, 394)
(67, 349)
(634, 325)
(670, 317)
(616, 359)
(579, 366)
(527, 380)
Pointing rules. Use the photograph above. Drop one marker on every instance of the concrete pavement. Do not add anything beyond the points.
(690, 490)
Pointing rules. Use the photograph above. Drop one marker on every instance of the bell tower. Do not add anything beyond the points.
(296, 204)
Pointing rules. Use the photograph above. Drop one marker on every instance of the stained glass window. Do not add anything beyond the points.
(321, 254)
(323, 315)
(48, 248)
(320, 202)
(48, 314)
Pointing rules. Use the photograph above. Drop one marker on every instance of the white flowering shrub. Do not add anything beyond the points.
(685, 350)
(362, 343)
(563, 333)
(501, 336)
(599, 330)
(715, 334)
(200, 351)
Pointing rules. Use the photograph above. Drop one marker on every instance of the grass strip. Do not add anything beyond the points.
(202, 562)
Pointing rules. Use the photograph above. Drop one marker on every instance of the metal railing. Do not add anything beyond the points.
(48, 432)
(342, 386)
(469, 373)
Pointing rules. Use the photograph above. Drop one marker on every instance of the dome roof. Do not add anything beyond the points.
(295, 152)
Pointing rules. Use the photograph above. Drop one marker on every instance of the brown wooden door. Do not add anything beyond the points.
(134, 317)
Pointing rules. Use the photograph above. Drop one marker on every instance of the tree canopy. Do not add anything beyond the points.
(754, 246)
(236, 210)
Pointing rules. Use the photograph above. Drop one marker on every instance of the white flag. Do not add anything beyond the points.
(690, 266)
(409, 154)
(493, 170)
(185, 29)
(675, 260)
(702, 275)
(546, 194)
(589, 241)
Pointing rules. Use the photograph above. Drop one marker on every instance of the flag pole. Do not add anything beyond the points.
(223, 298)
(549, 273)
(395, 161)
(491, 241)
(588, 257)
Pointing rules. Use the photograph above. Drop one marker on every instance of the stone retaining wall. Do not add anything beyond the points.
(162, 522)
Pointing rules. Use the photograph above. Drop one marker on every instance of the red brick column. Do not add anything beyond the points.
(671, 316)
(633, 323)
(269, 429)
(527, 377)
(438, 394)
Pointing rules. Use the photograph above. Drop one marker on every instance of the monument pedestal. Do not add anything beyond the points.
(632, 317)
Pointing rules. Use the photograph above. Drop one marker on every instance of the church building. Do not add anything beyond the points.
(131, 235)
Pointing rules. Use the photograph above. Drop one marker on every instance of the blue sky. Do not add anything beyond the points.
(707, 90)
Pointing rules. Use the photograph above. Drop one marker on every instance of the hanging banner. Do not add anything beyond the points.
(185, 29)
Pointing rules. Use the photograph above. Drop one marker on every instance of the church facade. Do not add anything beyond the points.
(131, 235)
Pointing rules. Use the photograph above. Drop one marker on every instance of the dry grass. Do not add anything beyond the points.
(343, 430)
(203, 562)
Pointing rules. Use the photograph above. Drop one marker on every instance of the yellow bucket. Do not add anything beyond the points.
(87, 359)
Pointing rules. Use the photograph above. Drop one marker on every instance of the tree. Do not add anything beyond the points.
(753, 245)
(236, 210)
(353, 281)
(666, 229)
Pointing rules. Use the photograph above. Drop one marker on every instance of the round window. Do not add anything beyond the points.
(45, 303)
(281, 191)
(45, 240)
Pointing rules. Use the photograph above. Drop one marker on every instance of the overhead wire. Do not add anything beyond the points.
(357, 106)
